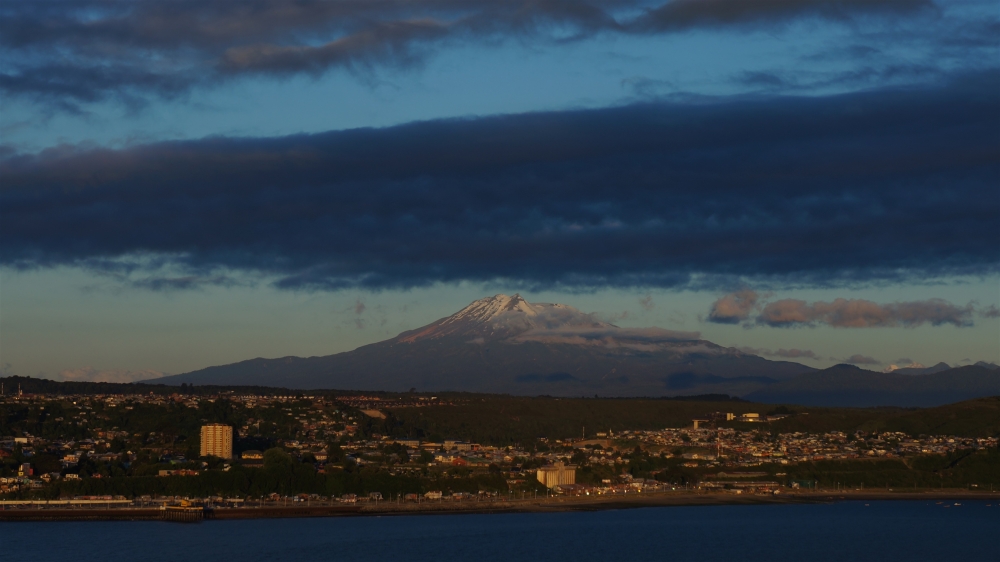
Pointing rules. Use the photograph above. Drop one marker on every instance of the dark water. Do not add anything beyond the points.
(882, 531)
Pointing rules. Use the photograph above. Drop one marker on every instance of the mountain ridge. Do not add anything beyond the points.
(505, 344)
(850, 386)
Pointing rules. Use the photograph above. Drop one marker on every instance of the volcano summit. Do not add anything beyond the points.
(502, 318)
(506, 344)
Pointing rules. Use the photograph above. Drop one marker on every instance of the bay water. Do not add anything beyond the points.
(850, 531)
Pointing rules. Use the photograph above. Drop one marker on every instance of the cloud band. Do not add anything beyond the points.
(86, 50)
(881, 185)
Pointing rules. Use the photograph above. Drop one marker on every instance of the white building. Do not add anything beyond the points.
(558, 474)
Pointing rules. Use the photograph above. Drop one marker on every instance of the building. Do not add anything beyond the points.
(217, 441)
(252, 458)
(748, 417)
(453, 445)
(558, 474)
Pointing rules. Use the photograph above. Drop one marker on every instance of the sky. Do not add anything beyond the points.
(186, 184)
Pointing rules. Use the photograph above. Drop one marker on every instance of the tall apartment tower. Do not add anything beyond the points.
(217, 441)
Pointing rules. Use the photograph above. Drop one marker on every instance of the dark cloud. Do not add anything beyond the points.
(357, 314)
(161, 283)
(990, 311)
(734, 307)
(793, 353)
(859, 313)
(761, 79)
(614, 316)
(858, 359)
(862, 76)
(887, 185)
(685, 14)
(90, 374)
(643, 87)
(66, 85)
(78, 51)
(647, 339)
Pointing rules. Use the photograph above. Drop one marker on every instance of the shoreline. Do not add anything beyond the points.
(550, 505)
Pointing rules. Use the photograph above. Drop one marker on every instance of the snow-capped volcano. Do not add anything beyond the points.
(486, 309)
(506, 344)
(512, 318)
(502, 317)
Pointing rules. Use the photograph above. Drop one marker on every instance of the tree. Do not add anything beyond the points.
(334, 452)
(277, 459)
(44, 463)
(85, 466)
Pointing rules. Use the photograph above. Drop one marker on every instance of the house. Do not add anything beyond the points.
(179, 472)
(252, 458)
(453, 445)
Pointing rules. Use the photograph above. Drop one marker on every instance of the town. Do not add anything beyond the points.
(154, 448)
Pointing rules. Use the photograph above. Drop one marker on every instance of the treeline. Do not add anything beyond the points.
(960, 469)
(285, 475)
(979, 417)
(281, 474)
(505, 420)
(31, 385)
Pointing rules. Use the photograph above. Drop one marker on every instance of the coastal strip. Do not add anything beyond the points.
(551, 505)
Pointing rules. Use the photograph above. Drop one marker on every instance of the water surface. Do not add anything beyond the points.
(884, 531)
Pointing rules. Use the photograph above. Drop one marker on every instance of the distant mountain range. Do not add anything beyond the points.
(918, 369)
(847, 385)
(503, 344)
